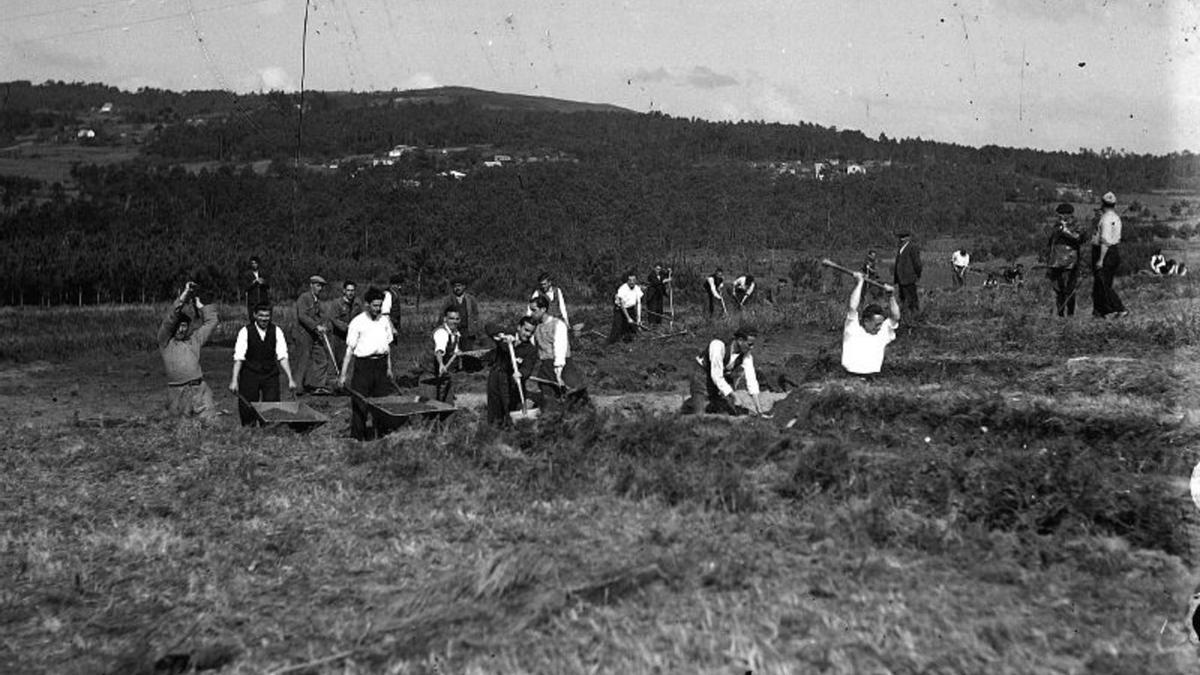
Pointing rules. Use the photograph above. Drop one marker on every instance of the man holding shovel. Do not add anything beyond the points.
(556, 374)
(315, 357)
(259, 353)
(717, 369)
(513, 361)
(627, 311)
(444, 358)
(368, 354)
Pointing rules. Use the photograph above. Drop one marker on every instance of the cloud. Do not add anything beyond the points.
(420, 81)
(658, 75)
(699, 77)
(705, 78)
(44, 57)
(275, 78)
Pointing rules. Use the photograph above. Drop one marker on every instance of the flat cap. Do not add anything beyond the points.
(317, 279)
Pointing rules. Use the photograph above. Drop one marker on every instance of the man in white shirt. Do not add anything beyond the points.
(1106, 258)
(559, 380)
(716, 371)
(368, 340)
(627, 310)
(444, 359)
(867, 333)
(743, 289)
(259, 353)
(960, 260)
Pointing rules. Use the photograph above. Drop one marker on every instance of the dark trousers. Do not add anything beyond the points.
(1066, 284)
(255, 387)
(369, 379)
(621, 330)
(909, 304)
(573, 396)
(960, 276)
(503, 397)
(740, 299)
(713, 303)
(706, 397)
(654, 305)
(1104, 299)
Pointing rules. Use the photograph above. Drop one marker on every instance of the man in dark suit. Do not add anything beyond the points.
(906, 272)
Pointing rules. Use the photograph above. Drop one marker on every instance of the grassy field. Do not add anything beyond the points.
(1008, 497)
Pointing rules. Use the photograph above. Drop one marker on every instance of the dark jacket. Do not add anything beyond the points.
(907, 268)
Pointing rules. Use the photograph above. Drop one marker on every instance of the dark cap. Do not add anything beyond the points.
(903, 235)
(1064, 209)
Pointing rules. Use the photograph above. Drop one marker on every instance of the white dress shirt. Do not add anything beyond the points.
(719, 361)
(243, 342)
(369, 337)
(862, 353)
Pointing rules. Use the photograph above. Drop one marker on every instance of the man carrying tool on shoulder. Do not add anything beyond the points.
(259, 352)
(716, 371)
(368, 351)
(556, 374)
(513, 361)
(188, 394)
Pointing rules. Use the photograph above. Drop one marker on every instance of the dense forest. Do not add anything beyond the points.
(640, 187)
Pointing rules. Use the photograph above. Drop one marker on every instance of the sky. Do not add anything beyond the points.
(1057, 75)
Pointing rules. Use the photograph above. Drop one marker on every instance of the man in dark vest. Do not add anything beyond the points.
(906, 272)
(259, 353)
(716, 372)
(513, 361)
(714, 286)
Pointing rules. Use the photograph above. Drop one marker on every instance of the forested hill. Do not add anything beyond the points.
(492, 192)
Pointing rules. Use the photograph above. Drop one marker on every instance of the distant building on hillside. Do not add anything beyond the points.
(401, 150)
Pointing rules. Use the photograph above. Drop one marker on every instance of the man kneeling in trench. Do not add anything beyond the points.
(716, 367)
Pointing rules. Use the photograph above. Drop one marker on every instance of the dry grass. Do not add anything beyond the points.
(1036, 530)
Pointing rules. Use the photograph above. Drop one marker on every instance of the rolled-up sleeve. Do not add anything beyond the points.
(751, 375)
(281, 352)
(241, 344)
(560, 344)
(716, 366)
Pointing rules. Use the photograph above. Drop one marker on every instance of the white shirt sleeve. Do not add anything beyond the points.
(562, 304)
(241, 344)
(560, 344)
(751, 375)
(281, 352)
(387, 303)
(441, 340)
(712, 287)
(716, 366)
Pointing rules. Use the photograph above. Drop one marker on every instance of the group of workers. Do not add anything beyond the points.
(360, 335)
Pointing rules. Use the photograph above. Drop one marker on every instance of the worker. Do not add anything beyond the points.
(259, 354)
(743, 290)
(868, 331)
(470, 325)
(657, 288)
(345, 308)
(512, 362)
(313, 351)
(714, 286)
(443, 360)
(960, 261)
(554, 296)
(187, 393)
(627, 310)
(715, 372)
(559, 380)
(368, 353)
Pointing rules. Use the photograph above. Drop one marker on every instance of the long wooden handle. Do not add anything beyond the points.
(829, 263)
(512, 354)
